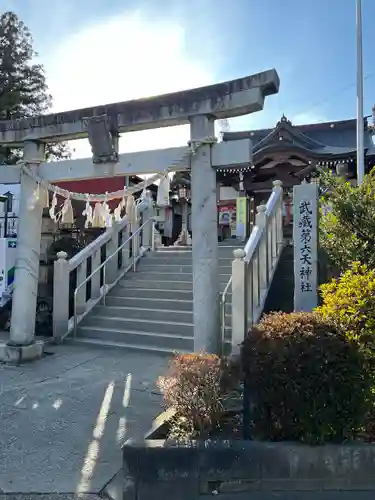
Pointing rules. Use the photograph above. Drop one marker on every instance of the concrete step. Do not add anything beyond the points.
(151, 303)
(110, 344)
(166, 284)
(158, 303)
(174, 268)
(172, 251)
(230, 242)
(137, 312)
(228, 250)
(121, 323)
(172, 248)
(151, 313)
(138, 338)
(178, 260)
(169, 276)
(164, 259)
(150, 293)
(138, 282)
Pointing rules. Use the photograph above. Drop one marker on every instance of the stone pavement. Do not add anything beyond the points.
(48, 496)
(63, 418)
(294, 495)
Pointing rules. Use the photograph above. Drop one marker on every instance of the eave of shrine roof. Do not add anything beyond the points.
(284, 146)
(331, 138)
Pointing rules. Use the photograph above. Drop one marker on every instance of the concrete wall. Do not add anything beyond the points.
(162, 469)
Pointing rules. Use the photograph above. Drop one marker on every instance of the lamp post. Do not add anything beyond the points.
(360, 120)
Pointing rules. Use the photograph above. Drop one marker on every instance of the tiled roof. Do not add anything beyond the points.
(322, 139)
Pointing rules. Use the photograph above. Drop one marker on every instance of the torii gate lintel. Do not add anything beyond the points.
(222, 100)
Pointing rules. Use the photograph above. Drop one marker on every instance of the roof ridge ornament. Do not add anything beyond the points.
(284, 119)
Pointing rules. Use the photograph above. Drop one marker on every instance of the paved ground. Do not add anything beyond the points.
(62, 419)
(296, 495)
(48, 496)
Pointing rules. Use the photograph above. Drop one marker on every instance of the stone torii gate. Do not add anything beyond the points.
(102, 126)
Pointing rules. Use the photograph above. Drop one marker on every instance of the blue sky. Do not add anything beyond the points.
(97, 51)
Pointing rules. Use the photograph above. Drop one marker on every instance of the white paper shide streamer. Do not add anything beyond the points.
(162, 199)
(88, 213)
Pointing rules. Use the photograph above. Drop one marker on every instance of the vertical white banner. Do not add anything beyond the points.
(3, 269)
(305, 236)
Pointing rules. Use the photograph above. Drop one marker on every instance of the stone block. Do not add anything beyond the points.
(291, 485)
(161, 469)
(291, 461)
(20, 354)
(229, 460)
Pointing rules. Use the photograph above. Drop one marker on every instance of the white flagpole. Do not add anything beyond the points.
(360, 119)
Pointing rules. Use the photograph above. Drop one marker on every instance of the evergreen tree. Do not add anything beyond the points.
(23, 87)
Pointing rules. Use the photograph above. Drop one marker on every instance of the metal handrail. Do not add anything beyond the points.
(103, 266)
(222, 305)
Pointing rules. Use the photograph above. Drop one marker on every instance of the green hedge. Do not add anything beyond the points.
(308, 380)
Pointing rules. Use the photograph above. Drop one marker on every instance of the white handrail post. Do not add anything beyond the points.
(261, 222)
(278, 189)
(111, 270)
(147, 216)
(95, 280)
(125, 248)
(135, 239)
(147, 231)
(153, 235)
(60, 296)
(239, 299)
(81, 293)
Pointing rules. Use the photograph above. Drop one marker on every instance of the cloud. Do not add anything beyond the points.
(307, 118)
(126, 57)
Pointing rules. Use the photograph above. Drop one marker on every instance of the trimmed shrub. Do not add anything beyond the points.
(194, 386)
(307, 381)
(347, 228)
(349, 303)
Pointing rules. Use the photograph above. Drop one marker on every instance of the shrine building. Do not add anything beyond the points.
(290, 153)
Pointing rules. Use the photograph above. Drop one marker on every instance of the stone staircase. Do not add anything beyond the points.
(152, 309)
(281, 293)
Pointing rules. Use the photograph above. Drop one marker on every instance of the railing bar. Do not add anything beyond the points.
(254, 274)
(104, 285)
(250, 320)
(274, 240)
(258, 277)
(223, 304)
(271, 252)
(103, 266)
(267, 252)
(114, 253)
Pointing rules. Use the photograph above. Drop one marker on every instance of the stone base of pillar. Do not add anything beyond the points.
(19, 354)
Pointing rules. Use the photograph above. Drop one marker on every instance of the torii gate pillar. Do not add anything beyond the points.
(205, 240)
(21, 345)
